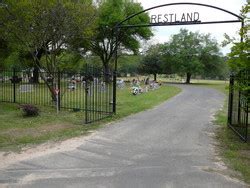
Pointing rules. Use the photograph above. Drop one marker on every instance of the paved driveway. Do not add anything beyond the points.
(168, 146)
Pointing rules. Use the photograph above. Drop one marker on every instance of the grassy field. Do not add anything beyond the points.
(234, 151)
(17, 131)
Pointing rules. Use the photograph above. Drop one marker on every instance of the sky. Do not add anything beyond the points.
(162, 34)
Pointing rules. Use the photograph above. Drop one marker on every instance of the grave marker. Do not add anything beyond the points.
(26, 88)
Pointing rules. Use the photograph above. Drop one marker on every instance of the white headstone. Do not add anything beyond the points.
(26, 88)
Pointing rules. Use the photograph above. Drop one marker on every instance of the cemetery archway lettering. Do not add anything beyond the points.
(173, 19)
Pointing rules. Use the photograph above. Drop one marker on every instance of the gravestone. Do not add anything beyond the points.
(26, 88)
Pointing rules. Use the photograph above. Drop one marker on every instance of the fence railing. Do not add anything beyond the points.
(90, 90)
(238, 104)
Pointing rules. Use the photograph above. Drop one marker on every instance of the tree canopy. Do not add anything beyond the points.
(186, 53)
(194, 53)
(111, 12)
(128, 64)
(46, 27)
(152, 62)
(239, 58)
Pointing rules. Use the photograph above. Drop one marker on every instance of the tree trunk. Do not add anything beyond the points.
(53, 94)
(35, 78)
(155, 77)
(188, 78)
(107, 73)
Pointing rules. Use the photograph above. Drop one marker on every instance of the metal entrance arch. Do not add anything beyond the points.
(121, 25)
(240, 19)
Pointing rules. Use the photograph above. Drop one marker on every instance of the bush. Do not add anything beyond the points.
(29, 110)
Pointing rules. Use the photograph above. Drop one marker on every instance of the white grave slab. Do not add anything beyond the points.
(26, 88)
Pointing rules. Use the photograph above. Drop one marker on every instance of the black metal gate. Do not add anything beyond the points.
(238, 104)
(98, 94)
(89, 90)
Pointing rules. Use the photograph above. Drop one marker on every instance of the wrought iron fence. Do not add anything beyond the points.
(89, 90)
(99, 94)
(238, 104)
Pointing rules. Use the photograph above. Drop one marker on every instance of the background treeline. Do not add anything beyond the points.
(53, 35)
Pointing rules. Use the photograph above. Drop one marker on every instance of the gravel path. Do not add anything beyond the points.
(168, 146)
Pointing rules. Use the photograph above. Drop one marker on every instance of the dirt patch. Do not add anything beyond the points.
(8, 158)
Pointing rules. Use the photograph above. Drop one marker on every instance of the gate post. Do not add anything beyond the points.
(115, 71)
(59, 89)
(14, 85)
(114, 92)
(246, 123)
(230, 100)
(86, 100)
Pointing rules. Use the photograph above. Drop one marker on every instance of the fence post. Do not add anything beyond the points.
(86, 101)
(59, 89)
(246, 135)
(115, 71)
(14, 85)
(86, 93)
(230, 100)
(114, 91)
(239, 80)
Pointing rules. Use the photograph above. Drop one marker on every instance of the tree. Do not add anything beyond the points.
(71, 62)
(111, 12)
(185, 46)
(239, 58)
(4, 51)
(47, 28)
(152, 62)
(168, 58)
(211, 58)
(193, 53)
(128, 64)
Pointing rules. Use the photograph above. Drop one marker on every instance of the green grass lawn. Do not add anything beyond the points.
(234, 151)
(17, 131)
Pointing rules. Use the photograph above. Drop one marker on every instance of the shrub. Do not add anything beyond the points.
(29, 110)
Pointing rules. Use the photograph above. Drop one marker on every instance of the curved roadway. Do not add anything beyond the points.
(168, 146)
